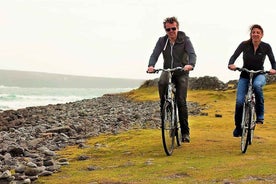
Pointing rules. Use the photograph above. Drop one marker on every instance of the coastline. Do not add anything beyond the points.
(35, 133)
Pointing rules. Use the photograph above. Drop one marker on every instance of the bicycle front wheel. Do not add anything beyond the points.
(246, 129)
(168, 129)
(252, 124)
(178, 134)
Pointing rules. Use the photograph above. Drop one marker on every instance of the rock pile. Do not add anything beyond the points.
(209, 83)
(206, 83)
(29, 137)
(195, 83)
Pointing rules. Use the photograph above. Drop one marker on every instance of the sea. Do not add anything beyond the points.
(13, 98)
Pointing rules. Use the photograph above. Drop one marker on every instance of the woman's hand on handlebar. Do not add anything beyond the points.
(232, 67)
(272, 71)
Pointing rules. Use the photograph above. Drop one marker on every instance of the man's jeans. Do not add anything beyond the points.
(258, 82)
(181, 83)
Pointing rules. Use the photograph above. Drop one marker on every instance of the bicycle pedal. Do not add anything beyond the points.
(253, 127)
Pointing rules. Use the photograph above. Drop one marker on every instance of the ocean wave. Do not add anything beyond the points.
(16, 98)
(2, 86)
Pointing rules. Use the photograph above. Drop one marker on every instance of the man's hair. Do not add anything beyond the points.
(170, 20)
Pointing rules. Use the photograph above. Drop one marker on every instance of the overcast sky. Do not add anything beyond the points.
(114, 38)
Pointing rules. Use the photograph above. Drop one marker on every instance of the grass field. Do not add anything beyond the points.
(213, 156)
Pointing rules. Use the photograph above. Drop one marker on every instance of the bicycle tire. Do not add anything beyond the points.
(178, 134)
(252, 124)
(167, 127)
(246, 131)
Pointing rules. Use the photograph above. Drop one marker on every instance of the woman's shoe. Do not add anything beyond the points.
(260, 121)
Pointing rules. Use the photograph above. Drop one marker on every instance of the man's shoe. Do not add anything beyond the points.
(260, 121)
(237, 132)
(185, 138)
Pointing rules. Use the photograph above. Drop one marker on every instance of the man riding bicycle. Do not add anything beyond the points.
(254, 53)
(177, 51)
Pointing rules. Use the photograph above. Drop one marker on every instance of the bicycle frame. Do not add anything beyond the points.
(249, 115)
(171, 97)
(169, 115)
(250, 100)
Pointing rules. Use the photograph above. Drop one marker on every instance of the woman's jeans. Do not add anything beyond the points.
(181, 83)
(258, 82)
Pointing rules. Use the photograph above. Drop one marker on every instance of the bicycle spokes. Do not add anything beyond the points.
(168, 129)
(245, 128)
(248, 126)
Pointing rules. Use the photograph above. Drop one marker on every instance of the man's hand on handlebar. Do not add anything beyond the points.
(150, 69)
(188, 68)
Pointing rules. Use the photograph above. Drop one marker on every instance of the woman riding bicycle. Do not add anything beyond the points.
(177, 51)
(254, 53)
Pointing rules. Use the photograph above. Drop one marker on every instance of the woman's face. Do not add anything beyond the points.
(256, 35)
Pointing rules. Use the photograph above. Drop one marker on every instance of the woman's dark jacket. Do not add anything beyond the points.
(253, 60)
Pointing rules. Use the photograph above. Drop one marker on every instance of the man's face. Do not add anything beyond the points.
(171, 30)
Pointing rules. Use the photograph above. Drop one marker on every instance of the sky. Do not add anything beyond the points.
(115, 38)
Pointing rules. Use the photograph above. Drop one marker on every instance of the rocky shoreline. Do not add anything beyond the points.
(29, 137)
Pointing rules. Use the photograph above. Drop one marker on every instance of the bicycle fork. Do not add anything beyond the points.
(250, 105)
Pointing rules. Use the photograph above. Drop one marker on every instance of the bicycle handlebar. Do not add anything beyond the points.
(252, 71)
(166, 70)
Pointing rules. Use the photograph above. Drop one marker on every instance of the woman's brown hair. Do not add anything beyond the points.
(253, 27)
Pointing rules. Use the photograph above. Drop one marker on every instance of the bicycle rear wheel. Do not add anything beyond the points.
(246, 130)
(168, 129)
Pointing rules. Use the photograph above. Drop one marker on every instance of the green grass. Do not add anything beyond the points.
(213, 156)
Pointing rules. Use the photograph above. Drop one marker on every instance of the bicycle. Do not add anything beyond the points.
(249, 115)
(170, 127)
